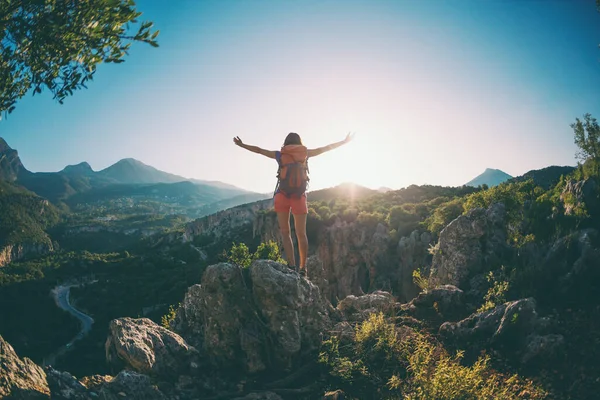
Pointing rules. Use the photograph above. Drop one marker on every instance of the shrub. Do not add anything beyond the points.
(496, 294)
(166, 319)
(420, 280)
(384, 361)
(268, 251)
(239, 254)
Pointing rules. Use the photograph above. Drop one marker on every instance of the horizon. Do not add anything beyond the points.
(309, 189)
(436, 92)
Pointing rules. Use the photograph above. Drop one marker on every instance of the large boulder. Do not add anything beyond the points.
(142, 345)
(514, 328)
(358, 308)
(470, 245)
(443, 303)
(255, 319)
(20, 378)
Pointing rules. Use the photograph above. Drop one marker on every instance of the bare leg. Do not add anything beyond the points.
(284, 228)
(300, 225)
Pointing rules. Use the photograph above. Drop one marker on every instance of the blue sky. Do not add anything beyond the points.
(436, 91)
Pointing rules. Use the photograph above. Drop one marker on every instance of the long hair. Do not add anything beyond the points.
(292, 138)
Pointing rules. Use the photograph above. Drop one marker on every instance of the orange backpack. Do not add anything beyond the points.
(292, 175)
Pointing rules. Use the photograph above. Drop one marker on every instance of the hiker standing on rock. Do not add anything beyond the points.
(290, 193)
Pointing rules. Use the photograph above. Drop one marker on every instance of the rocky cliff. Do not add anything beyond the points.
(16, 252)
(354, 260)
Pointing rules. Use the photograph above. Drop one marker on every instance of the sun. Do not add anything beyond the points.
(355, 162)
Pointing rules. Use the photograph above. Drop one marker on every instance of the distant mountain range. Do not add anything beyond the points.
(490, 177)
(131, 176)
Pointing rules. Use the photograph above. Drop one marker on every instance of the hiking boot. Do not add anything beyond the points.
(302, 272)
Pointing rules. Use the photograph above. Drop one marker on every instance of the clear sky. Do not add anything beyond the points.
(437, 91)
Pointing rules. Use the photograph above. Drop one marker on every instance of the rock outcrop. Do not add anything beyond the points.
(148, 348)
(581, 195)
(413, 253)
(16, 252)
(443, 303)
(569, 268)
(253, 320)
(358, 308)
(225, 222)
(20, 378)
(469, 246)
(513, 328)
(354, 260)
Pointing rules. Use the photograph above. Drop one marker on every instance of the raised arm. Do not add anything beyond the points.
(321, 150)
(254, 149)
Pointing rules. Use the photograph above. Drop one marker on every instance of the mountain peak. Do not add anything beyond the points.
(490, 177)
(81, 168)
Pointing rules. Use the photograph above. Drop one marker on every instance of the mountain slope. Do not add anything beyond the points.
(11, 166)
(24, 218)
(545, 177)
(490, 177)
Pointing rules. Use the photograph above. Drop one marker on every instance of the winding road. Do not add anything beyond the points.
(61, 296)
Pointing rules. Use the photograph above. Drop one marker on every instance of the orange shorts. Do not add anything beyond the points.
(284, 204)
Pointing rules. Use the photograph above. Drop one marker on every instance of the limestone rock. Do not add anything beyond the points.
(146, 347)
(444, 303)
(253, 319)
(20, 378)
(358, 308)
(64, 386)
(413, 253)
(513, 328)
(130, 385)
(580, 194)
(468, 245)
(355, 260)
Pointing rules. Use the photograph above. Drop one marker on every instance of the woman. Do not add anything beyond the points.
(290, 194)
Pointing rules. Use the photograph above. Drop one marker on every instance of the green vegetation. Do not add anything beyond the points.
(587, 137)
(24, 216)
(384, 361)
(57, 45)
(496, 294)
(240, 254)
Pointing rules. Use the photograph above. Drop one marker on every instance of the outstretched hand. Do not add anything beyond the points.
(237, 141)
(349, 137)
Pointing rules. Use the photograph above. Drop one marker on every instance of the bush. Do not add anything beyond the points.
(166, 319)
(240, 254)
(384, 361)
(443, 215)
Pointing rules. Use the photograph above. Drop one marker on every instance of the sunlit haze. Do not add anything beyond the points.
(435, 91)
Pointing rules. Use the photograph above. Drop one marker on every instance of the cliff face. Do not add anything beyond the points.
(225, 222)
(354, 259)
(16, 252)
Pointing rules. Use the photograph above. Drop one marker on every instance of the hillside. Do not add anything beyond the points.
(545, 177)
(490, 177)
(24, 218)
